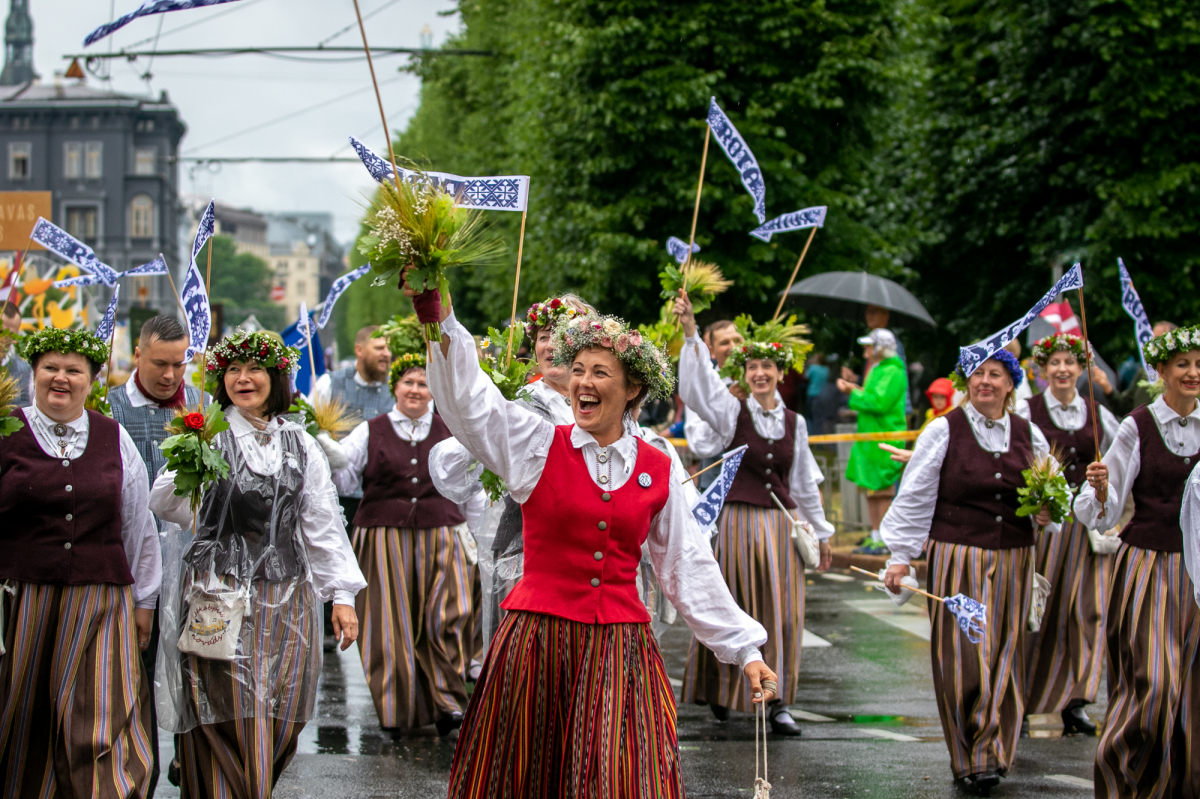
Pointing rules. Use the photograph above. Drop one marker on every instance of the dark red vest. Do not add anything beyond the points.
(583, 544)
(767, 466)
(62, 518)
(977, 490)
(397, 488)
(1078, 446)
(1157, 490)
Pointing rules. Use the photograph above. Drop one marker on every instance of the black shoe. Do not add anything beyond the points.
(173, 773)
(782, 722)
(1025, 727)
(449, 723)
(984, 782)
(1075, 720)
(720, 712)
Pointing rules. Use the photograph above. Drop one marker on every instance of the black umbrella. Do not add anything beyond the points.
(845, 293)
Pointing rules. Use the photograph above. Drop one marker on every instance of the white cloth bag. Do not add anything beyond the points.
(1039, 589)
(213, 624)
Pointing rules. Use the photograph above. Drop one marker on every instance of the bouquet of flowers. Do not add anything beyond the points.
(97, 399)
(701, 280)
(190, 453)
(1045, 485)
(330, 416)
(10, 389)
(415, 223)
(512, 379)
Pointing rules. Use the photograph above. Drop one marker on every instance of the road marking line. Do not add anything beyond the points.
(811, 639)
(837, 578)
(675, 683)
(1078, 782)
(804, 715)
(911, 618)
(891, 736)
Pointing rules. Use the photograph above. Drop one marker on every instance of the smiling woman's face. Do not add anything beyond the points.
(1063, 369)
(599, 393)
(248, 385)
(1181, 375)
(557, 377)
(762, 375)
(61, 384)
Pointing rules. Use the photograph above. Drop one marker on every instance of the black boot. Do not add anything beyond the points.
(781, 720)
(1075, 719)
(449, 723)
(984, 782)
(1025, 727)
(720, 712)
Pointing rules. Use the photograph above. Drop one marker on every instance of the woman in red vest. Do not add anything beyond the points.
(574, 698)
(418, 599)
(754, 538)
(78, 582)
(243, 599)
(958, 502)
(1064, 660)
(1149, 744)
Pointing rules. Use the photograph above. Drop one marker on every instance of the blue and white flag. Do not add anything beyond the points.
(743, 160)
(336, 290)
(145, 10)
(105, 328)
(971, 615)
(679, 249)
(82, 280)
(708, 508)
(156, 267)
(1132, 304)
(796, 220)
(304, 324)
(64, 245)
(303, 379)
(193, 293)
(971, 357)
(501, 193)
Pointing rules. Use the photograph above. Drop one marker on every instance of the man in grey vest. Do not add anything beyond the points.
(9, 360)
(143, 406)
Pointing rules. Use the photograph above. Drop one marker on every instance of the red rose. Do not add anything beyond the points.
(194, 421)
(555, 304)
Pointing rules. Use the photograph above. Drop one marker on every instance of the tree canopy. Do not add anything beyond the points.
(242, 283)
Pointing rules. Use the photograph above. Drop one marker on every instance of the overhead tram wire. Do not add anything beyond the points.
(354, 25)
(265, 159)
(282, 52)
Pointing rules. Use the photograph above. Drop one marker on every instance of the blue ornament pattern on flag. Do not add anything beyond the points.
(156, 267)
(1142, 330)
(145, 10)
(82, 280)
(105, 329)
(969, 358)
(335, 291)
(736, 149)
(708, 507)
(971, 615)
(502, 193)
(193, 294)
(796, 220)
(66, 246)
(302, 323)
(679, 249)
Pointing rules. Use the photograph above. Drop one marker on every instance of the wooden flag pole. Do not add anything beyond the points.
(512, 323)
(1091, 392)
(914, 590)
(699, 188)
(178, 299)
(378, 98)
(796, 271)
(207, 291)
(705, 469)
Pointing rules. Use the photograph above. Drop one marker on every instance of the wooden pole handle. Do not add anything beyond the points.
(914, 590)
(1091, 392)
(699, 188)
(796, 271)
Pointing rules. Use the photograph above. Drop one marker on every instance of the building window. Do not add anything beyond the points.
(145, 161)
(301, 287)
(73, 160)
(82, 222)
(19, 156)
(145, 126)
(93, 159)
(141, 217)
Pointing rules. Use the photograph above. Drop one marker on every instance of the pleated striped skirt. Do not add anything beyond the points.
(1150, 746)
(766, 577)
(257, 706)
(413, 619)
(74, 705)
(1064, 661)
(565, 709)
(979, 687)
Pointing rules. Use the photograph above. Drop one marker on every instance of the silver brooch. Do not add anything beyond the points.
(644, 480)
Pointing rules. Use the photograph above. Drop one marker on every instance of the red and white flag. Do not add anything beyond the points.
(1062, 317)
(10, 282)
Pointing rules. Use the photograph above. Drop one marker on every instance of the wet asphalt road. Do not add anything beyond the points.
(870, 724)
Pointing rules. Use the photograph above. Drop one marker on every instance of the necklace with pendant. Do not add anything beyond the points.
(602, 458)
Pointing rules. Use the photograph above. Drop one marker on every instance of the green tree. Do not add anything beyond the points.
(242, 283)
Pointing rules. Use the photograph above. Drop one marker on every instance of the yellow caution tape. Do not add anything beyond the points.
(900, 435)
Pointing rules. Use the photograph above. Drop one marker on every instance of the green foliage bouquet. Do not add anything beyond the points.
(781, 341)
(190, 453)
(512, 379)
(701, 280)
(97, 399)
(403, 334)
(10, 389)
(1045, 485)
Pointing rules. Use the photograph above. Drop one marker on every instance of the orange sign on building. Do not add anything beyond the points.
(19, 210)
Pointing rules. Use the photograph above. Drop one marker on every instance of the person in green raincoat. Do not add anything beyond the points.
(880, 406)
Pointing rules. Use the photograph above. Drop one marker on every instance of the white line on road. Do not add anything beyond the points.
(804, 715)
(911, 618)
(837, 578)
(675, 683)
(1078, 782)
(811, 639)
(891, 736)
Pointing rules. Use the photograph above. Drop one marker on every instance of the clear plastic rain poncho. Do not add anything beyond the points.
(247, 548)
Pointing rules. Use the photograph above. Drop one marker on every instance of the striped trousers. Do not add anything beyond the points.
(413, 617)
(1065, 660)
(74, 707)
(766, 577)
(1150, 746)
(979, 687)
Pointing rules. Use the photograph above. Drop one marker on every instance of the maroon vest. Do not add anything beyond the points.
(1157, 490)
(767, 465)
(62, 517)
(397, 488)
(977, 490)
(1078, 446)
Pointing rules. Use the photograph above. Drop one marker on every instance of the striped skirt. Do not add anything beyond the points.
(413, 622)
(979, 687)
(766, 577)
(565, 709)
(1150, 746)
(1065, 660)
(74, 707)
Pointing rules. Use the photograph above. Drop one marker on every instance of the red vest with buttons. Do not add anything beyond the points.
(767, 465)
(397, 488)
(62, 517)
(1078, 446)
(583, 543)
(1157, 490)
(977, 490)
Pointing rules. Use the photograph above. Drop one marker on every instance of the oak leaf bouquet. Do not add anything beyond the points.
(1045, 485)
(191, 454)
(10, 389)
(512, 379)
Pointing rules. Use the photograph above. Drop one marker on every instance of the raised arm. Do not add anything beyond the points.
(705, 393)
(905, 527)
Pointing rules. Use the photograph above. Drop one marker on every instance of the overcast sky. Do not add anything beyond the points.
(219, 98)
